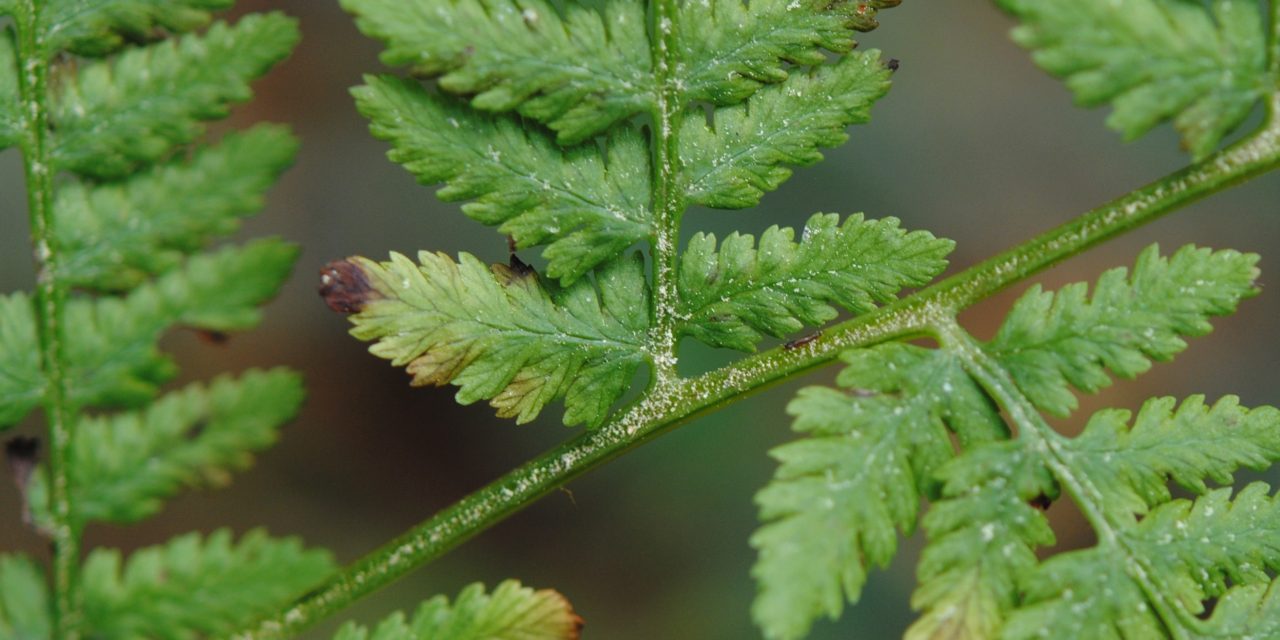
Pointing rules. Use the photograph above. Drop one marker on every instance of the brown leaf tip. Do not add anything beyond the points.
(345, 287)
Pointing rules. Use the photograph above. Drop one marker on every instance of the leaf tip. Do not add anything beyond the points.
(345, 287)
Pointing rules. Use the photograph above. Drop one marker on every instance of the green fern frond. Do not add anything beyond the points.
(99, 27)
(587, 206)
(1202, 65)
(21, 384)
(1131, 466)
(511, 612)
(732, 49)
(1180, 547)
(574, 67)
(127, 464)
(24, 600)
(733, 165)
(1050, 342)
(117, 234)
(1248, 611)
(192, 588)
(114, 116)
(730, 297)
(982, 539)
(501, 334)
(10, 118)
(840, 496)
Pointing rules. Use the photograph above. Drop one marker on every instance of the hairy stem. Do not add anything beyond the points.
(1042, 438)
(660, 412)
(50, 299)
(668, 202)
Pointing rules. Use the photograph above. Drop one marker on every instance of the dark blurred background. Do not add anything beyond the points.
(973, 143)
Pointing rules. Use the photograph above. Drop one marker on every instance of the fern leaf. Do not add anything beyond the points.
(192, 588)
(24, 600)
(1203, 67)
(575, 68)
(731, 49)
(521, 180)
(1052, 341)
(732, 166)
(114, 235)
(500, 334)
(839, 497)
(113, 116)
(731, 297)
(98, 27)
(21, 383)
(982, 540)
(1131, 466)
(1190, 549)
(10, 118)
(511, 612)
(1248, 611)
(127, 464)
(113, 354)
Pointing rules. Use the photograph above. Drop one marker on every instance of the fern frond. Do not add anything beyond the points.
(98, 27)
(732, 49)
(113, 354)
(116, 234)
(1203, 67)
(576, 68)
(587, 206)
(499, 333)
(1050, 342)
(511, 612)
(127, 464)
(113, 116)
(24, 600)
(982, 540)
(731, 297)
(21, 383)
(192, 588)
(1189, 444)
(1093, 593)
(734, 165)
(840, 496)
(10, 118)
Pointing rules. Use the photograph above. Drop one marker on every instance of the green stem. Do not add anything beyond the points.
(1041, 437)
(660, 412)
(50, 300)
(668, 201)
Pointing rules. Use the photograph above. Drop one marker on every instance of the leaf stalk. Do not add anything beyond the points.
(50, 302)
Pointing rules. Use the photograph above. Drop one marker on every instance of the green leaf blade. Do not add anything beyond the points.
(520, 180)
(511, 612)
(10, 117)
(114, 356)
(1051, 342)
(112, 117)
(499, 333)
(98, 27)
(1203, 67)
(744, 157)
(840, 496)
(115, 235)
(732, 298)
(192, 588)
(21, 381)
(128, 464)
(576, 68)
(25, 610)
(729, 50)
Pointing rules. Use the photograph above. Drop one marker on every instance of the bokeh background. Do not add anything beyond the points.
(972, 143)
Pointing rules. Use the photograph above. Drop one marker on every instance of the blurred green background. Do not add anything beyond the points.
(973, 143)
